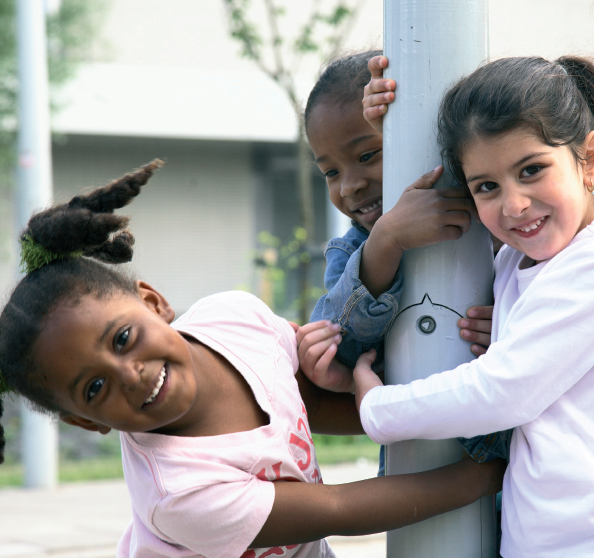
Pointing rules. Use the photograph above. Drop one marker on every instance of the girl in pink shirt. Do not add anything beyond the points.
(213, 411)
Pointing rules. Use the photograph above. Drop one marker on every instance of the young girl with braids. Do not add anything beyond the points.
(362, 267)
(213, 412)
(518, 134)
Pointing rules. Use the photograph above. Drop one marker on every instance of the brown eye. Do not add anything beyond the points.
(120, 340)
(94, 388)
(531, 170)
(368, 156)
(486, 187)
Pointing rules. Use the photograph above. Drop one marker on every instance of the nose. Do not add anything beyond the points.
(130, 374)
(515, 203)
(352, 182)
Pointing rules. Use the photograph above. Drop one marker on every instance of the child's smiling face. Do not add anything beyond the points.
(348, 151)
(117, 363)
(530, 195)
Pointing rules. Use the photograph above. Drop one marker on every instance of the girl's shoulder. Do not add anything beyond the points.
(351, 240)
(224, 306)
(234, 317)
(506, 258)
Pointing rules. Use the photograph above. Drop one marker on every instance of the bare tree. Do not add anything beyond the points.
(322, 32)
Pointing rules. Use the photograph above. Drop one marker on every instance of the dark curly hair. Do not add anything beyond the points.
(87, 225)
(554, 99)
(342, 81)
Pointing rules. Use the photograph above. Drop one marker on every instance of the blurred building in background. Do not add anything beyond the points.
(166, 80)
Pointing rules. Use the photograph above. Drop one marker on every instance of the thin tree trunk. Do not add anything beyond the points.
(307, 213)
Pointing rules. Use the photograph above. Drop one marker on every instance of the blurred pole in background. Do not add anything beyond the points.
(34, 182)
(430, 45)
(337, 223)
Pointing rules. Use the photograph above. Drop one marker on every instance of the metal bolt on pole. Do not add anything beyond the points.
(34, 178)
(430, 44)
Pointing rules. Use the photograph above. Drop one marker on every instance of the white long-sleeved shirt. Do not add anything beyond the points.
(537, 375)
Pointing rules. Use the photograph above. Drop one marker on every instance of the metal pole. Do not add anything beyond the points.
(34, 178)
(430, 44)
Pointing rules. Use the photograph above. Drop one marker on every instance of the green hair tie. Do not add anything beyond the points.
(34, 256)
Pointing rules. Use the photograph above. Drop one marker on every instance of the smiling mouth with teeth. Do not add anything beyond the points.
(157, 387)
(532, 227)
(370, 207)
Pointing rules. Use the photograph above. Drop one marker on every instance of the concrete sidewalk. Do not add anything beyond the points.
(86, 520)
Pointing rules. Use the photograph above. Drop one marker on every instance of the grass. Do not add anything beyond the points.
(330, 450)
(69, 471)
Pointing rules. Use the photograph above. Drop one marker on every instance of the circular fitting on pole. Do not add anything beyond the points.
(426, 325)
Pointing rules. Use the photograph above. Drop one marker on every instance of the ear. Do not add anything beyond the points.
(155, 301)
(86, 424)
(588, 165)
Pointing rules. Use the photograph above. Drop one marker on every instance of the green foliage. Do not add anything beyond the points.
(70, 32)
(276, 262)
(243, 30)
(321, 33)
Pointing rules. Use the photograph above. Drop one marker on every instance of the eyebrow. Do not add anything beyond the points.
(108, 327)
(514, 166)
(351, 143)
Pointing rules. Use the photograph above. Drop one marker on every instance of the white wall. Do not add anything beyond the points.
(193, 223)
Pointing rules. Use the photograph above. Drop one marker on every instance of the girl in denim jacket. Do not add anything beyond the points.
(362, 267)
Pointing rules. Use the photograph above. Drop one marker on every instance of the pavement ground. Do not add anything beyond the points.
(86, 520)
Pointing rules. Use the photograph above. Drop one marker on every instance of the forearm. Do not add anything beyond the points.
(373, 505)
(379, 263)
(329, 412)
(457, 403)
(362, 317)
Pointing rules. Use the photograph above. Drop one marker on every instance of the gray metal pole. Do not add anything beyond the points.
(430, 44)
(34, 178)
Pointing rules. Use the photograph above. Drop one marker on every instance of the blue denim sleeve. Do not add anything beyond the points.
(486, 448)
(364, 320)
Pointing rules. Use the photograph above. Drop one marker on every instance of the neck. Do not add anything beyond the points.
(225, 404)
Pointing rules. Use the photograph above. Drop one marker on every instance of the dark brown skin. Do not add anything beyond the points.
(202, 387)
(307, 512)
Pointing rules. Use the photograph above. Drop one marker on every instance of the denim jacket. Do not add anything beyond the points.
(364, 321)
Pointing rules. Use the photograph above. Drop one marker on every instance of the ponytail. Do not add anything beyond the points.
(581, 71)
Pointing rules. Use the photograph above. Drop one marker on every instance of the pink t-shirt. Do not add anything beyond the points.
(210, 496)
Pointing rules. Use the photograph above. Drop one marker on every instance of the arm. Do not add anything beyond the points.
(305, 512)
(542, 352)
(422, 216)
(363, 320)
(329, 412)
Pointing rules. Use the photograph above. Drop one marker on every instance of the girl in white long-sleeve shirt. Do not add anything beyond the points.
(518, 134)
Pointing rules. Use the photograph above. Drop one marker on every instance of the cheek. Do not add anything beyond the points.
(488, 215)
(334, 193)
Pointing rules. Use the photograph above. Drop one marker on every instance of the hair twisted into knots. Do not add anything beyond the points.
(85, 225)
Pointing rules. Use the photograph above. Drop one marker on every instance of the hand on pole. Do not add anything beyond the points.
(379, 92)
(477, 328)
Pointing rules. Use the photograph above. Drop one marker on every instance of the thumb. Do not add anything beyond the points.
(429, 179)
